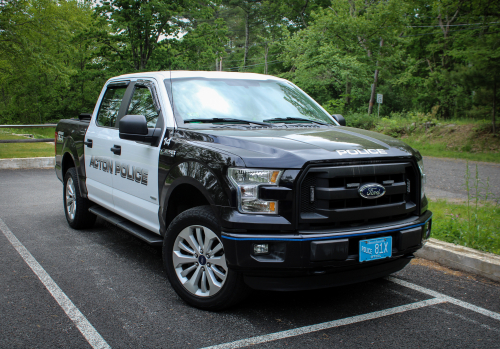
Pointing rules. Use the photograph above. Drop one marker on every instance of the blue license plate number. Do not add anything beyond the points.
(373, 249)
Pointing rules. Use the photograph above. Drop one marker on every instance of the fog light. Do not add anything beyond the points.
(260, 248)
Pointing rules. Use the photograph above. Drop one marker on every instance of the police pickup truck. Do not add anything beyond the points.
(245, 181)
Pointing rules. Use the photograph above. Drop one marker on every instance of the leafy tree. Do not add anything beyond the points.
(37, 58)
(338, 52)
(139, 25)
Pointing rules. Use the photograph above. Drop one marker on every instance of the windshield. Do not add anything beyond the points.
(198, 99)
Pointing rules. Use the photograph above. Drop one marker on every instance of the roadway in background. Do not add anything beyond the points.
(446, 178)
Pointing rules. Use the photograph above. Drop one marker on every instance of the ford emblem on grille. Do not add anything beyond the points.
(371, 191)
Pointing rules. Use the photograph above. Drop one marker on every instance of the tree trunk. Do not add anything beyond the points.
(494, 103)
(348, 86)
(374, 85)
(372, 95)
(247, 39)
(302, 13)
(266, 51)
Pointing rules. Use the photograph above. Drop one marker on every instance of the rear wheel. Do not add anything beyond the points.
(76, 207)
(194, 257)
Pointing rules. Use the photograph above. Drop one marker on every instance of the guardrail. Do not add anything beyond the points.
(28, 126)
(29, 140)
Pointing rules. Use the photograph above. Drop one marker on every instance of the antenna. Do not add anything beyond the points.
(172, 93)
(171, 99)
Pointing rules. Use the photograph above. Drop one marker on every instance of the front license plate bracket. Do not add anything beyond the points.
(375, 249)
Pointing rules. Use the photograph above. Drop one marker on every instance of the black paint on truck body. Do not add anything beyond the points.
(316, 231)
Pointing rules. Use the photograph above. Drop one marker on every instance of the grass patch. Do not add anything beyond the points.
(26, 150)
(441, 150)
(466, 139)
(474, 223)
(474, 227)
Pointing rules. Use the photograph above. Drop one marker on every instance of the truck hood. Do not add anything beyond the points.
(293, 147)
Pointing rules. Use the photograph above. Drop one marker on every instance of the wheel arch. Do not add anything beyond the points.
(188, 185)
(67, 162)
(70, 159)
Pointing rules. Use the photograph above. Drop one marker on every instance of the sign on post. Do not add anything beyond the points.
(380, 99)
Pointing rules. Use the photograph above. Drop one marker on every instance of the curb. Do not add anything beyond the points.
(462, 258)
(25, 163)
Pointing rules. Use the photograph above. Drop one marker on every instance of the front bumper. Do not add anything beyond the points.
(314, 259)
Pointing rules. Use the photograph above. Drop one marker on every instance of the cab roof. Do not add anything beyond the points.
(198, 74)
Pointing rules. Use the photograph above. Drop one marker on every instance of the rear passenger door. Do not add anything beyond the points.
(100, 138)
(135, 192)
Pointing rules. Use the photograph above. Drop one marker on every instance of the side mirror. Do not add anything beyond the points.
(340, 119)
(135, 128)
(133, 125)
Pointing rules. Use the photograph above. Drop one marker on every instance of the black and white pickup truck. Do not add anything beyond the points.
(246, 183)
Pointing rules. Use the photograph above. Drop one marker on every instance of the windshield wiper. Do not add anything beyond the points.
(296, 119)
(225, 120)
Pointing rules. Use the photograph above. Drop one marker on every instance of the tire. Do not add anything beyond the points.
(200, 277)
(76, 207)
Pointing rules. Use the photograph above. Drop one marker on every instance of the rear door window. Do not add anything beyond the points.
(110, 106)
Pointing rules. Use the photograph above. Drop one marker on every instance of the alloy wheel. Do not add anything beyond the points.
(199, 261)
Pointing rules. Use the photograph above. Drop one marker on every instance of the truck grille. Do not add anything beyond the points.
(329, 195)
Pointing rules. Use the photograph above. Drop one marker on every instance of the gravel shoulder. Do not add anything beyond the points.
(446, 178)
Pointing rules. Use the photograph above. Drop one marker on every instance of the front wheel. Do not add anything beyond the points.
(195, 261)
(76, 207)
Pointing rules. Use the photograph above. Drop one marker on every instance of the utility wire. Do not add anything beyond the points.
(440, 33)
(253, 65)
(449, 25)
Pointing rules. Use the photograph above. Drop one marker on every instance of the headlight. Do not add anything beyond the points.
(423, 178)
(247, 182)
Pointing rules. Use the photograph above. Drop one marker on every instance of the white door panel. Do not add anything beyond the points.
(98, 193)
(99, 161)
(135, 188)
(137, 210)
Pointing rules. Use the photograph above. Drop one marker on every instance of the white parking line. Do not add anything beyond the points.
(446, 298)
(326, 325)
(87, 330)
(439, 298)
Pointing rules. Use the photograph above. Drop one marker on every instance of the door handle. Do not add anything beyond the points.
(117, 149)
(88, 143)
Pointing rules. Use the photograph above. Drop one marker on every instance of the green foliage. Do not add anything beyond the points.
(38, 58)
(451, 224)
(361, 120)
(137, 26)
(434, 57)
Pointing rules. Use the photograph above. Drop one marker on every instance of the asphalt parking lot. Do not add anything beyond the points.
(104, 288)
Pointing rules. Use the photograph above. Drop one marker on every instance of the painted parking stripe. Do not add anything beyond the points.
(448, 299)
(326, 325)
(87, 330)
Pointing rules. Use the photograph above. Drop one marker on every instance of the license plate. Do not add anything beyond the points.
(373, 249)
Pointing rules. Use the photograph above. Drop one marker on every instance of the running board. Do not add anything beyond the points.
(132, 228)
